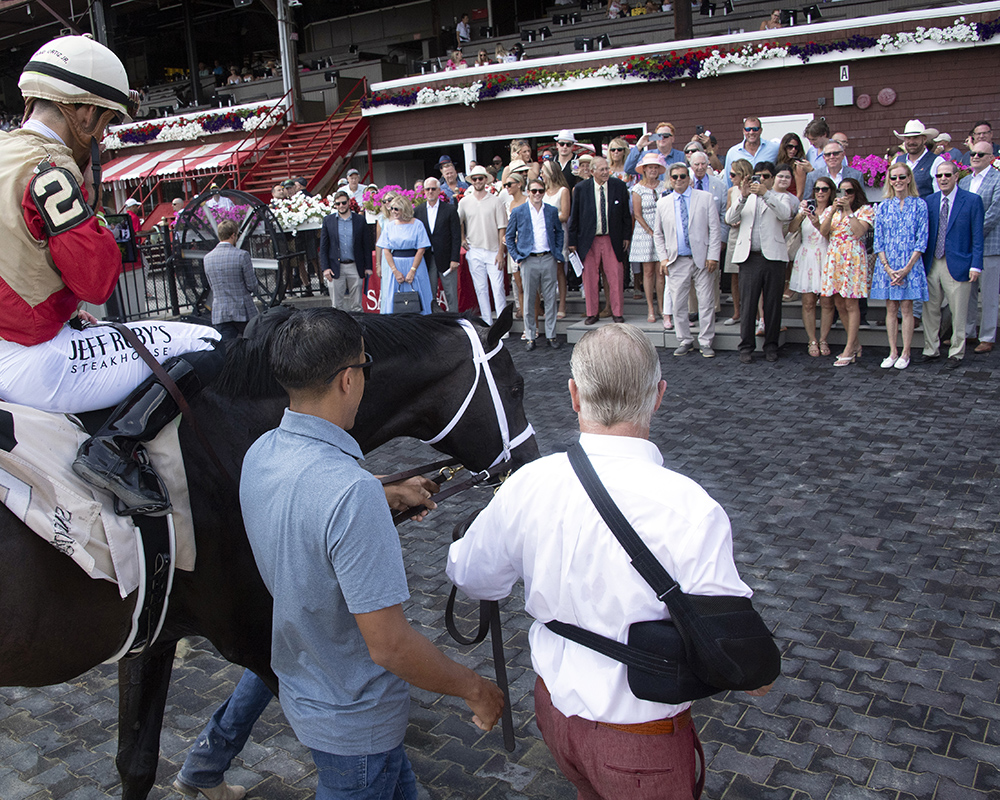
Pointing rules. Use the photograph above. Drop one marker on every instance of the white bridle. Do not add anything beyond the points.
(481, 359)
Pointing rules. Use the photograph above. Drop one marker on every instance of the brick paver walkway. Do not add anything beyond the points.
(864, 507)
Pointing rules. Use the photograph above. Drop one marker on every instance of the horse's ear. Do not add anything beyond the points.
(500, 327)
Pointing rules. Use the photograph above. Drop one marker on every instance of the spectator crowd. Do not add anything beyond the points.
(680, 223)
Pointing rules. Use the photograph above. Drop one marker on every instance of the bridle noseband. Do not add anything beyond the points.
(481, 360)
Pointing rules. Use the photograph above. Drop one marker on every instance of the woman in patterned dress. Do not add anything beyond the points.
(807, 269)
(845, 276)
(900, 241)
(644, 197)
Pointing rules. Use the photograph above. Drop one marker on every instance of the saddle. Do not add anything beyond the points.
(38, 485)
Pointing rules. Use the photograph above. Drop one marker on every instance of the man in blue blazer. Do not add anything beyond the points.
(535, 242)
(953, 260)
(345, 254)
(985, 181)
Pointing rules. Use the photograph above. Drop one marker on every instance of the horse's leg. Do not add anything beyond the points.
(142, 693)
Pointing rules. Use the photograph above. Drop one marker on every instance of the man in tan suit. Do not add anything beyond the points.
(688, 237)
(762, 256)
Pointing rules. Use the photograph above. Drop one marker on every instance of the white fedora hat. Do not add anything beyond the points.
(566, 136)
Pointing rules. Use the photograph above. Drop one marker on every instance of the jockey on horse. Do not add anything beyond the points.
(58, 252)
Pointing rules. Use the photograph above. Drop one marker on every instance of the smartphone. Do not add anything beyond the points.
(699, 129)
(655, 137)
(811, 205)
(755, 180)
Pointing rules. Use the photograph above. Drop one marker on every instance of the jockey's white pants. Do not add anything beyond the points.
(95, 368)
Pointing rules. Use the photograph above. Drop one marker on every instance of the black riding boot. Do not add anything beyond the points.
(114, 458)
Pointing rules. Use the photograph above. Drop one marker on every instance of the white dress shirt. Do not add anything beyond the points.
(538, 229)
(542, 526)
(432, 214)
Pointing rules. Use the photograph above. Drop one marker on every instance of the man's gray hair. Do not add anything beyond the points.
(617, 372)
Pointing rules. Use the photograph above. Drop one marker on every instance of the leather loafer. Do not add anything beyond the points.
(529, 345)
(590, 320)
(771, 356)
(925, 359)
(953, 363)
(618, 319)
(984, 347)
(746, 358)
(555, 344)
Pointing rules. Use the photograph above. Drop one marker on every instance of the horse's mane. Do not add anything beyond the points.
(247, 372)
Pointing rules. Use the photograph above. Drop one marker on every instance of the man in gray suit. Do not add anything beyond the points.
(834, 167)
(229, 271)
(762, 256)
(985, 181)
(688, 239)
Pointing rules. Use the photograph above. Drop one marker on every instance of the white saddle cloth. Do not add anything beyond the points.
(38, 484)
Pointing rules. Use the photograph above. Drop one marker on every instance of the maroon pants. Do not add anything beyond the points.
(608, 764)
(602, 255)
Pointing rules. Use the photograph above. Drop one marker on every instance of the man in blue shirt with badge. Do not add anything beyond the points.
(327, 550)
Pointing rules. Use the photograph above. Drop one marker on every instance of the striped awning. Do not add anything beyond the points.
(175, 161)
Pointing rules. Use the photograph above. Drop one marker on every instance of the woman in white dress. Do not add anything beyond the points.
(644, 197)
(807, 269)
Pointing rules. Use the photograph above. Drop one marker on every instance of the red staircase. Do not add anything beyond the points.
(318, 151)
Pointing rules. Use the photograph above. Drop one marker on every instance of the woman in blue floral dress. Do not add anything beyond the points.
(900, 241)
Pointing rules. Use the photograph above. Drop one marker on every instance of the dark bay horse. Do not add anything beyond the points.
(56, 623)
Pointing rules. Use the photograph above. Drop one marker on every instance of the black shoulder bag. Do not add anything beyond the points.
(709, 644)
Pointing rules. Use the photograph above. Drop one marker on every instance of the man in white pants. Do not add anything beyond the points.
(484, 225)
(688, 237)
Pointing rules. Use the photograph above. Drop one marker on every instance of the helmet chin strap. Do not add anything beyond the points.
(84, 144)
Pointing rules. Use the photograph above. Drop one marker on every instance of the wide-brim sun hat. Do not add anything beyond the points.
(477, 170)
(652, 160)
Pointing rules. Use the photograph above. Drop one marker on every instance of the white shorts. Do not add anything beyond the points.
(79, 371)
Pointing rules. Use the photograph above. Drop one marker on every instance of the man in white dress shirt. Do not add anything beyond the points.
(541, 526)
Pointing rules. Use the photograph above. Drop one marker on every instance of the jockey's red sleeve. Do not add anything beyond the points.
(86, 255)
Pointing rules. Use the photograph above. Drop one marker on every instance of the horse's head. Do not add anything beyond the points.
(448, 381)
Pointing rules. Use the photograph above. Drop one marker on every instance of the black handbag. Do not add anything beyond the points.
(406, 302)
(710, 643)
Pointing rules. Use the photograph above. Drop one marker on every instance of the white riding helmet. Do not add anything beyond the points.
(76, 69)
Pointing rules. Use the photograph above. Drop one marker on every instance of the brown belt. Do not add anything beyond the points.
(656, 727)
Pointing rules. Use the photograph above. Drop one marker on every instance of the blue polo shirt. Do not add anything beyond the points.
(323, 538)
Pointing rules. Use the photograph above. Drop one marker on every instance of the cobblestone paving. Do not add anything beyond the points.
(864, 512)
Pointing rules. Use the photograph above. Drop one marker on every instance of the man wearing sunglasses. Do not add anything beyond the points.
(345, 253)
(762, 256)
(835, 167)
(752, 148)
(953, 261)
(985, 182)
(663, 140)
(321, 533)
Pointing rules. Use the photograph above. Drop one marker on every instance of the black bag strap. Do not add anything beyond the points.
(643, 560)
(702, 647)
(626, 654)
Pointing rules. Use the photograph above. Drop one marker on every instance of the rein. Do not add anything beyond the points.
(481, 360)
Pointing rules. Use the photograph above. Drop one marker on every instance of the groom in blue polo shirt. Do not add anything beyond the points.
(327, 550)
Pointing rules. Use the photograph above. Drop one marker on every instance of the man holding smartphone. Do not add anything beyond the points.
(663, 140)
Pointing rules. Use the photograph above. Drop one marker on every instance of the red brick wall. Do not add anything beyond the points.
(948, 90)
